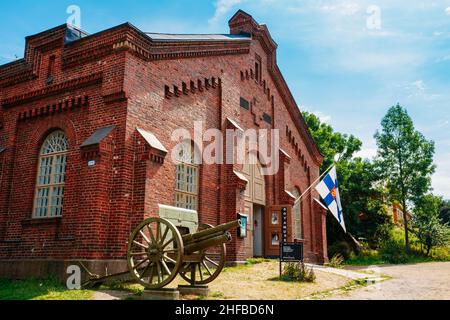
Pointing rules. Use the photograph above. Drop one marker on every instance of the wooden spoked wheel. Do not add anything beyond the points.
(155, 253)
(207, 266)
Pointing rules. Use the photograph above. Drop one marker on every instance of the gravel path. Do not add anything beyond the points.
(425, 281)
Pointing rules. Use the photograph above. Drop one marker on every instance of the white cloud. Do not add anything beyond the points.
(379, 62)
(346, 8)
(325, 118)
(443, 58)
(419, 90)
(366, 153)
(419, 85)
(223, 7)
(447, 11)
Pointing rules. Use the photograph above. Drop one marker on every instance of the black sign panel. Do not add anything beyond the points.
(291, 252)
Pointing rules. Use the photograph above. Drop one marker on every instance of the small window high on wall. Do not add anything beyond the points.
(258, 69)
(51, 176)
(187, 178)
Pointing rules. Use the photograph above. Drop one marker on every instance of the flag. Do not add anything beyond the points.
(329, 191)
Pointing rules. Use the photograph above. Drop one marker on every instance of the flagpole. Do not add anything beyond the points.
(314, 183)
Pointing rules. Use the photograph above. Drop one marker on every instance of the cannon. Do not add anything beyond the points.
(158, 251)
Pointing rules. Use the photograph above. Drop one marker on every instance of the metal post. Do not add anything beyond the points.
(281, 261)
(193, 266)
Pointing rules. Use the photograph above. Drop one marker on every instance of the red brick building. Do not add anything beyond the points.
(85, 141)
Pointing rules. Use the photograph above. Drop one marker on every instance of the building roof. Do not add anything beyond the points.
(152, 140)
(197, 37)
(98, 136)
(235, 124)
(243, 28)
(74, 34)
(285, 153)
(240, 175)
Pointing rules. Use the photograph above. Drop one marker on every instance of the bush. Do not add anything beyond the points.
(441, 254)
(298, 272)
(392, 251)
(342, 248)
(365, 257)
(382, 233)
(337, 261)
(430, 232)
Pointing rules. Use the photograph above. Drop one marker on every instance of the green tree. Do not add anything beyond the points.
(366, 213)
(405, 158)
(430, 232)
(444, 211)
(427, 205)
(330, 142)
(426, 224)
(362, 201)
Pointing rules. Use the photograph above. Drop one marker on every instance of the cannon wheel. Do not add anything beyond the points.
(155, 253)
(211, 265)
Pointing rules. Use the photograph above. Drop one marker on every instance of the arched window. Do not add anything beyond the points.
(187, 177)
(297, 215)
(51, 176)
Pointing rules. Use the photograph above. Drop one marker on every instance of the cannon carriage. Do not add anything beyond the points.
(160, 248)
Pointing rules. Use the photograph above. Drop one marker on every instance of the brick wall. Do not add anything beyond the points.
(118, 77)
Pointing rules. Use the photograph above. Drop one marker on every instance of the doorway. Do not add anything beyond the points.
(255, 201)
(258, 231)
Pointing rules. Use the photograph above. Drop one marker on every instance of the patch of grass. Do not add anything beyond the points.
(375, 257)
(218, 296)
(336, 262)
(253, 261)
(365, 258)
(298, 272)
(235, 268)
(33, 289)
(441, 254)
(128, 287)
(350, 286)
(248, 264)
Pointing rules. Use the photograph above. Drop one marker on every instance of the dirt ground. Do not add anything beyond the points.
(424, 281)
(255, 282)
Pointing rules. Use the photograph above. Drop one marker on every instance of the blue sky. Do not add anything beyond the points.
(346, 60)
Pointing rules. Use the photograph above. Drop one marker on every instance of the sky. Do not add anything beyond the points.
(347, 61)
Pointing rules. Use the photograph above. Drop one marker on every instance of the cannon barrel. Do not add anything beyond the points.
(210, 233)
(207, 243)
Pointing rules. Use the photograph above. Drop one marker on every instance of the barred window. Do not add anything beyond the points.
(51, 176)
(187, 177)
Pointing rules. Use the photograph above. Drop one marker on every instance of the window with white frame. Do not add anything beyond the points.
(297, 215)
(187, 177)
(51, 176)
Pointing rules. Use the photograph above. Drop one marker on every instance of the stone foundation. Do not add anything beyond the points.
(42, 269)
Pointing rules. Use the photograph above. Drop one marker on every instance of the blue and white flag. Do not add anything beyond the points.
(329, 191)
